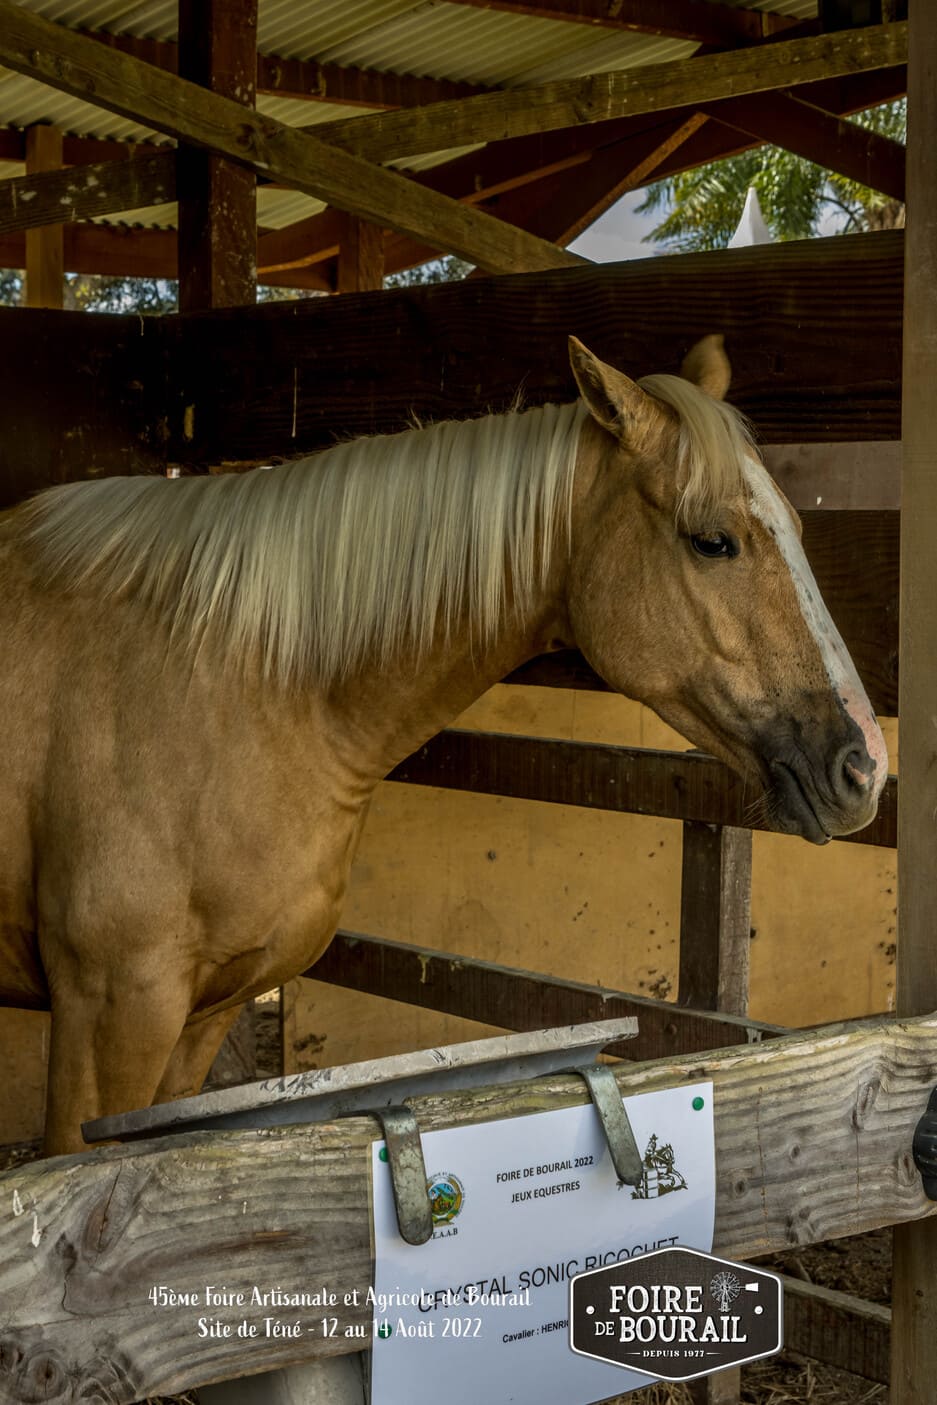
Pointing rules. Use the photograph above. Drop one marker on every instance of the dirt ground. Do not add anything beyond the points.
(860, 1266)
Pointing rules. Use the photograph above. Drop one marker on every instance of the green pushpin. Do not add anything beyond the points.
(385, 1330)
(698, 1104)
(382, 1154)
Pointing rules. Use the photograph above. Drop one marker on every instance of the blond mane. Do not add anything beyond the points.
(714, 442)
(358, 552)
(348, 556)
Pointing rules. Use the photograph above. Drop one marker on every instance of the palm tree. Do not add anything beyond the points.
(702, 207)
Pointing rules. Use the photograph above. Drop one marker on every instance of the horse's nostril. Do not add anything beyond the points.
(857, 770)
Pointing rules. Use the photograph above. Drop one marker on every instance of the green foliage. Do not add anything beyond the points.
(702, 207)
(445, 270)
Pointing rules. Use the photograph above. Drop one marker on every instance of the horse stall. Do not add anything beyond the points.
(820, 1133)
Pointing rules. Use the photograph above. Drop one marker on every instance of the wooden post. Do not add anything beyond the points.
(217, 198)
(361, 256)
(45, 247)
(715, 917)
(715, 935)
(914, 1292)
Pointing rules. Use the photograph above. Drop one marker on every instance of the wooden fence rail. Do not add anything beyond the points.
(670, 785)
(813, 1141)
(523, 1000)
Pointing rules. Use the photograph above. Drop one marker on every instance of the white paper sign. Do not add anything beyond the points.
(481, 1312)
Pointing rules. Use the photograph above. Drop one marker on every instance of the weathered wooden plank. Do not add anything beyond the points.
(217, 247)
(837, 1328)
(914, 1287)
(601, 97)
(45, 250)
(28, 202)
(121, 83)
(813, 331)
(522, 1000)
(861, 476)
(669, 784)
(813, 1137)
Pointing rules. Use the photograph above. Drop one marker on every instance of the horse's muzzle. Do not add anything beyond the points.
(819, 797)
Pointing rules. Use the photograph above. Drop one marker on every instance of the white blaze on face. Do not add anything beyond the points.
(771, 510)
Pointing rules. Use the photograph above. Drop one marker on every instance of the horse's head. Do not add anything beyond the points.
(689, 590)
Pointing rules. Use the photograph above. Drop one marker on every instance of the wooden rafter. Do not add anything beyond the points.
(79, 151)
(697, 20)
(481, 177)
(82, 192)
(567, 201)
(120, 83)
(307, 78)
(716, 141)
(807, 130)
(564, 203)
(601, 97)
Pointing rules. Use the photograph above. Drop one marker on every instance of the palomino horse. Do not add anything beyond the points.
(205, 680)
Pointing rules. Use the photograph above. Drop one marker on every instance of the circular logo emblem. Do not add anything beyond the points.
(447, 1196)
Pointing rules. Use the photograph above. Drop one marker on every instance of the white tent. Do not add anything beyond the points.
(751, 228)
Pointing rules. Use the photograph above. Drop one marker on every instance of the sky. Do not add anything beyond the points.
(618, 233)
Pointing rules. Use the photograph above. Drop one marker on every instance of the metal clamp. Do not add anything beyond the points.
(924, 1147)
(408, 1168)
(407, 1173)
(607, 1101)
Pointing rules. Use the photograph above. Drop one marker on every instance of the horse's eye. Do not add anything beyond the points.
(715, 544)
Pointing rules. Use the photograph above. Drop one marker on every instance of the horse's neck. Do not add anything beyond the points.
(387, 714)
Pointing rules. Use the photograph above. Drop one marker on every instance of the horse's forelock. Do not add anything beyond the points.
(714, 443)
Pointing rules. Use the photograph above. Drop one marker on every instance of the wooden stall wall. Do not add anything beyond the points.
(813, 330)
(80, 396)
(814, 334)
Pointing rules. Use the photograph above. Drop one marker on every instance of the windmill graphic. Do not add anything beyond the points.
(659, 1175)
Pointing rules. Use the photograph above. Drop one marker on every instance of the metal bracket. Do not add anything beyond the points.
(924, 1147)
(606, 1099)
(408, 1168)
(407, 1173)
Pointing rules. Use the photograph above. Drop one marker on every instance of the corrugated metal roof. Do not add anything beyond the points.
(424, 38)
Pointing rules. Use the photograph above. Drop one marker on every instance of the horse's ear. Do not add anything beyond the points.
(707, 366)
(613, 400)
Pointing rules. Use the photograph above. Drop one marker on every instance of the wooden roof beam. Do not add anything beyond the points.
(83, 192)
(566, 202)
(573, 102)
(807, 130)
(79, 151)
(504, 167)
(136, 253)
(120, 83)
(477, 178)
(308, 78)
(695, 20)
